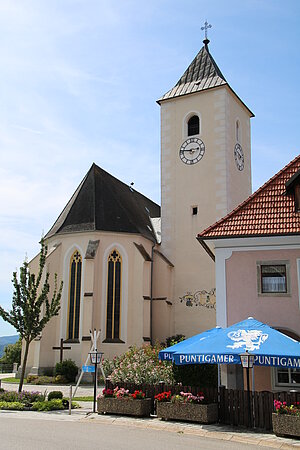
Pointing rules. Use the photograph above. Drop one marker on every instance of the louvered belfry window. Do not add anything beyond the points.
(113, 309)
(193, 126)
(74, 295)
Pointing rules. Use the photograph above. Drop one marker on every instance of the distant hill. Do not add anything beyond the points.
(5, 340)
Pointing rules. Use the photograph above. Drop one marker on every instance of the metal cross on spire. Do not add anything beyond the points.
(205, 28)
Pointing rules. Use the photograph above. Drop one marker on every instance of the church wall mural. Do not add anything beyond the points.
(204, 299)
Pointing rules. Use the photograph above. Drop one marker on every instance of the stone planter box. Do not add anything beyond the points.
(286, 425)
(125, 406)
(188, 411)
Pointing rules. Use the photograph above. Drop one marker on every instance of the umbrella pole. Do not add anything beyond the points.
(248, 394)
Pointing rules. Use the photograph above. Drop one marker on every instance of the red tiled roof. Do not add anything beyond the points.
(267, 212)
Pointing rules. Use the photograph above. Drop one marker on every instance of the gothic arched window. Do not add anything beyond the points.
(74, 295)
(237, 131)
(113, 302)
(193, 126)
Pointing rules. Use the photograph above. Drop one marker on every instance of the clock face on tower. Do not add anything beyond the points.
(239, 157)
(192, 150)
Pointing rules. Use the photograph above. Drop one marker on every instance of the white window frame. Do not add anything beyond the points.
(285, 263)
(288, 385)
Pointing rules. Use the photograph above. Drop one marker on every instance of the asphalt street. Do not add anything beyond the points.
(26, 434)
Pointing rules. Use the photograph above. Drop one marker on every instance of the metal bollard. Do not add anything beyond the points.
(70, 401)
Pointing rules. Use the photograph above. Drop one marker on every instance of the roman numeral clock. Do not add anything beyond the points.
(192, 150)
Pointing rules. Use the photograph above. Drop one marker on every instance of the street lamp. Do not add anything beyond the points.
(247, 361)
(96, 358)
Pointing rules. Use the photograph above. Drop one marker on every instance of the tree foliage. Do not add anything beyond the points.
(31, 308)
(12, 353)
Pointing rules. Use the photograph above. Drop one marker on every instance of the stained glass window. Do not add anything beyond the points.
(113, 308)
(74, 295)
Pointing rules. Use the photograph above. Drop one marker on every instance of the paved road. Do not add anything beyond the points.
(26, 434)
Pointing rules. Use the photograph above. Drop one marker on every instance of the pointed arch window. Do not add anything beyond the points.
(193, 126)
(113, 300)
(74, 295)
(237, 131)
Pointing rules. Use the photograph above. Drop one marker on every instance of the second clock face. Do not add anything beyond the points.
(192, 150)
(239, 157)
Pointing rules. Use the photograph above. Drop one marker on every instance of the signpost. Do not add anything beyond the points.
(88, 369)
(96, 358)
(96, 361)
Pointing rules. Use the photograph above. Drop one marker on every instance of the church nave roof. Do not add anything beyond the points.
(103, 203)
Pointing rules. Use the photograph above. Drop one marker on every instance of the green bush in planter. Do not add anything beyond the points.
(55, 394)
(67, 369)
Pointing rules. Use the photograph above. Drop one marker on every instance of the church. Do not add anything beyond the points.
(133, 269)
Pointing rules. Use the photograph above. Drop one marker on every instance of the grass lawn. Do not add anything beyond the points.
(12, 380)
(83, 399)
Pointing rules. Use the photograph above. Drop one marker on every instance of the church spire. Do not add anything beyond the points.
(203, 73)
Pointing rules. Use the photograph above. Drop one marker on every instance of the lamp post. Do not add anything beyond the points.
(96, 358)
(247, 361)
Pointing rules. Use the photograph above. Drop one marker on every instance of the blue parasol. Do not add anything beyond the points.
(167, 353)
(270, 347)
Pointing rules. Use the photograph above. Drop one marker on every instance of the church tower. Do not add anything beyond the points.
(205, 173)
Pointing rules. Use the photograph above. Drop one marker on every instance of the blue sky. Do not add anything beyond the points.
(79, 82)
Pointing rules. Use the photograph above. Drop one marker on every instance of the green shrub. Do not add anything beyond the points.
(25, 397)
(67, 369)
(60, 379)
(15, 406)
(44, 380)
(9, 396)
(55, 394)
(172, 340)
(204, 375)
(31, 379)
(1, 390)
(51, 405)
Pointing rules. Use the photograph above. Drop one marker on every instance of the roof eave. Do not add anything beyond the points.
(239, 236)
(160, 100)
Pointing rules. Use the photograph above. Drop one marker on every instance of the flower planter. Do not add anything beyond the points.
(125, 406)
(286, 425)
(188, 411)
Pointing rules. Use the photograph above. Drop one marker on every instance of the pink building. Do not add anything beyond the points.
(257, 254)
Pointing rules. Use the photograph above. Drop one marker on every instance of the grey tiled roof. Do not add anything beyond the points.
(102, 202)
(203, 73)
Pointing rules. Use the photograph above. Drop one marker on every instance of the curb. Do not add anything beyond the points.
(210, 431)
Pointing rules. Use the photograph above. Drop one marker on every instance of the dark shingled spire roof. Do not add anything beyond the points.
(103, 203)
(202, 74)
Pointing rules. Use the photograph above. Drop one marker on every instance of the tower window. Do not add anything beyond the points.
(194, 210)
(193, 126)
(74, 295)
(113, 301)
(237, 131)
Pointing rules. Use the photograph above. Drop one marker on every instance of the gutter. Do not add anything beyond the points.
(206, 248)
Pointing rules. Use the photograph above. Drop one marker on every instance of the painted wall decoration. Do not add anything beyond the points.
(206, 299)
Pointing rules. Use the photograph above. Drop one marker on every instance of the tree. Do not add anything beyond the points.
(12, 353)
(31, 308)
